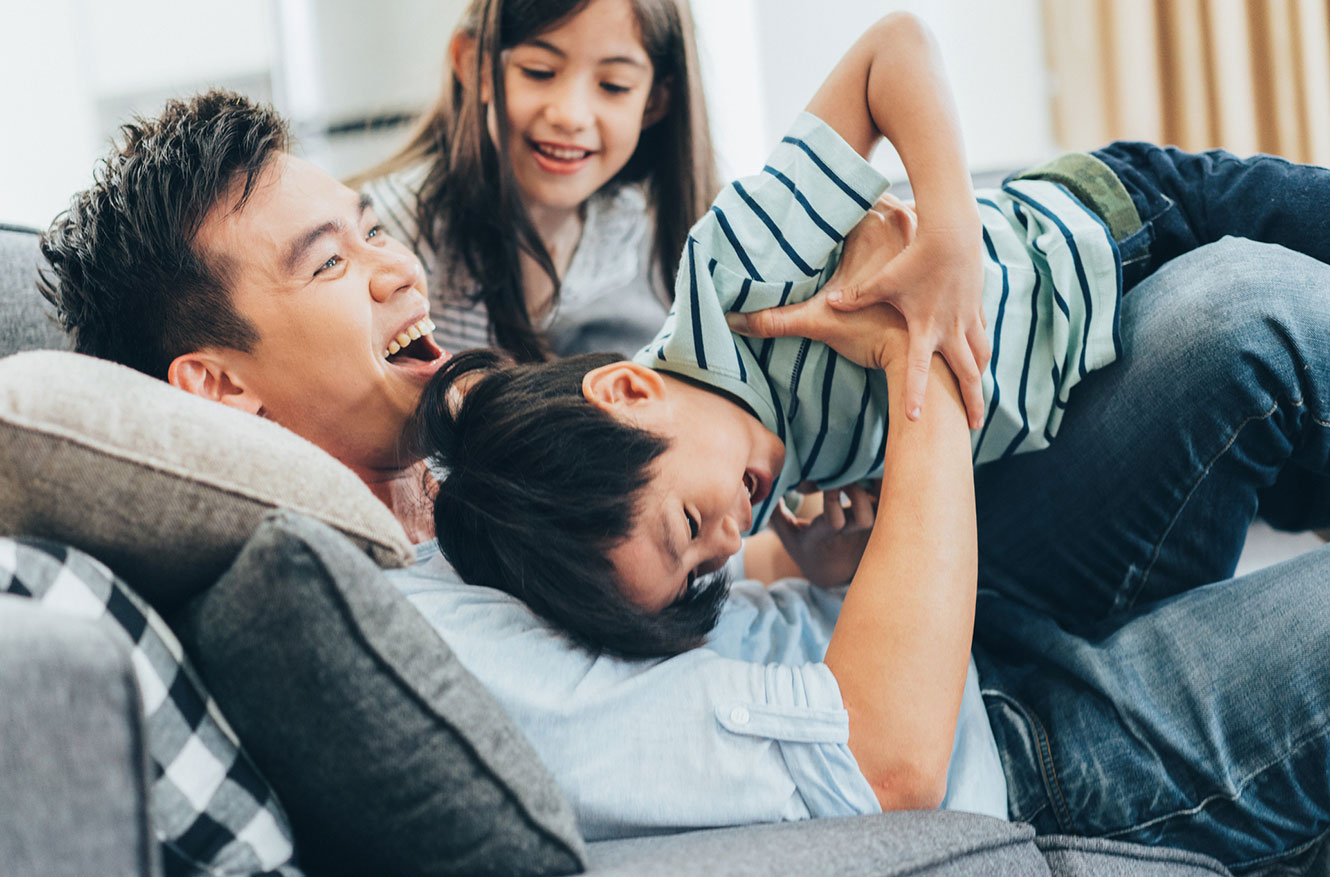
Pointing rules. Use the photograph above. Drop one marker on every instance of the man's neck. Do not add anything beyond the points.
(407, 493)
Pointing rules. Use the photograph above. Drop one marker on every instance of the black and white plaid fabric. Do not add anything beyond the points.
(211, 811)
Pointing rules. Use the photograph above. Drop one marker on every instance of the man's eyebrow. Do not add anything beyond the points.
(614, 59)
(301, 246)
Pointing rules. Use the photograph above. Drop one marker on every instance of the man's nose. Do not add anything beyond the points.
(395, 271)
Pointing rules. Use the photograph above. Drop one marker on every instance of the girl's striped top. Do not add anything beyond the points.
(1052, 287)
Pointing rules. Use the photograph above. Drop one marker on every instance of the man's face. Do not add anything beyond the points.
(330, 294)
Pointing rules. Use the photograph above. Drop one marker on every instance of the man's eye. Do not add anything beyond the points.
(332, 263)
(536, 74)
(375, 232)
(693, 528)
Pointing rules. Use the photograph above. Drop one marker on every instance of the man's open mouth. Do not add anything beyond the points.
(415, 342)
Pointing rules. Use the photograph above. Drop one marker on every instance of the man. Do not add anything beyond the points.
(206, 255)
(210, 257)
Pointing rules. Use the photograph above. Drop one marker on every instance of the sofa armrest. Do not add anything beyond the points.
(73, 764)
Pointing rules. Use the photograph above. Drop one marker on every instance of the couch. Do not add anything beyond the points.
(291, 760)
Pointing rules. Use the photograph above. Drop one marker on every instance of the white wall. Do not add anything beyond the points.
(70, 69)
(764, 59)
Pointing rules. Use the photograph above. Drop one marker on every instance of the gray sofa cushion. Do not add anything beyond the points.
(933, 843)
(1096, 857)
(161, 485)
(387, 754)
(72, 766)
(29, 321)
(209, 809)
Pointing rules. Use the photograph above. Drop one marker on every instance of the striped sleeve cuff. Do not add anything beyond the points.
(812, 151)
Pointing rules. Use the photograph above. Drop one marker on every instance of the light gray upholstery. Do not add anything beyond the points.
(28, 320)
(73, 762)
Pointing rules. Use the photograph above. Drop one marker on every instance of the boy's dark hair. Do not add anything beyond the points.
(540, 485)
(125, 277)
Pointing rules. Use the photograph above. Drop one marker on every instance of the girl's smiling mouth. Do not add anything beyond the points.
(559, 158)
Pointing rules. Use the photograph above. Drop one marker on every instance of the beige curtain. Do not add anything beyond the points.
(1245, 75)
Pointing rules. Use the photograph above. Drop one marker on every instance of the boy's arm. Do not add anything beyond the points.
(891, 83)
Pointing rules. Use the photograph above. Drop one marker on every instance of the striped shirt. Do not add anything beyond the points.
(1052, 287)
(611, 297)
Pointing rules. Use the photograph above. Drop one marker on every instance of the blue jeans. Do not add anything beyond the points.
(1186, 200)
(1136, 689)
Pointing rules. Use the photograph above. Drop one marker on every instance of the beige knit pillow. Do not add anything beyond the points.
(162, 486)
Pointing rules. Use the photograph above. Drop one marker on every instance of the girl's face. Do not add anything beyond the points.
(577, 97)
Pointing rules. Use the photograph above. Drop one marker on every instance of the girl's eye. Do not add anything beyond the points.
(375, 232)
(332, 263)
(693, 528)
(614, 88)
(537, 74)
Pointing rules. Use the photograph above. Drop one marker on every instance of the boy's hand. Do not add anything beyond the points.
(828, 548)
(934, 277)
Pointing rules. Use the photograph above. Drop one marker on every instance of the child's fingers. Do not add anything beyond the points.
(784, 521)
(795, 319)
(960, 357)
(853, 296)
(918, 359)
(980, 346)
(832, 511)
(861, 507)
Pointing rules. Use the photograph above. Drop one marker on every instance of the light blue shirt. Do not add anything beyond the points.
(749, 728)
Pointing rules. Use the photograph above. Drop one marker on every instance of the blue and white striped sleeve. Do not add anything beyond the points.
(769, 239)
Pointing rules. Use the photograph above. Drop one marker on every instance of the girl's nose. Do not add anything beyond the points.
(569, 110)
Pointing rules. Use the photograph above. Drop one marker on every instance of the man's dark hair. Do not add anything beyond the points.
(540, 485)
(125, 277)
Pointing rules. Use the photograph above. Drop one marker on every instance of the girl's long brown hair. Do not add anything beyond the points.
(469, 203)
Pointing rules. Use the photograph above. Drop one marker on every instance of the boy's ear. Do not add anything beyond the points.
(462, 55)
(206, 374)
(622, 388)
(658, 104)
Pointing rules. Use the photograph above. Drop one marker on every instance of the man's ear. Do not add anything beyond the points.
(462, 55)
(206, 374)
(622, 388)
(658, 104)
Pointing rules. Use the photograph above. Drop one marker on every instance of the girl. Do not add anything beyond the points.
(549, 190)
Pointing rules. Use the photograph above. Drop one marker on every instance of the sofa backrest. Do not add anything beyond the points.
(29, 320)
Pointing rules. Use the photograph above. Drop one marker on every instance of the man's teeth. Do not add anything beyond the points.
(423, 326)
(562, 153)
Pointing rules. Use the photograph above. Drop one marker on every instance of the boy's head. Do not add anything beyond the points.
(204, 254)
(602, 493)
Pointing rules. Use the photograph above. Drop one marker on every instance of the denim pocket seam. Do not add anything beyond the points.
(1047, 770)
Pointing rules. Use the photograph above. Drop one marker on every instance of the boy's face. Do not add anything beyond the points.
(699, 501)
(307, 264)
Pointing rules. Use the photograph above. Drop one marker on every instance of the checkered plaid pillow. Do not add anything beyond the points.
(211, 811)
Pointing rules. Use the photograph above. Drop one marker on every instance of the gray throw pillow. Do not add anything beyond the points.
(389, 757)
(162, 486)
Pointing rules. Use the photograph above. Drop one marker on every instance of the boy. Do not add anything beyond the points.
(700, 433)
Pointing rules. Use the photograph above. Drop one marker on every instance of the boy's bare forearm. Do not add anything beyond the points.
(892, 84)
(901, 647)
